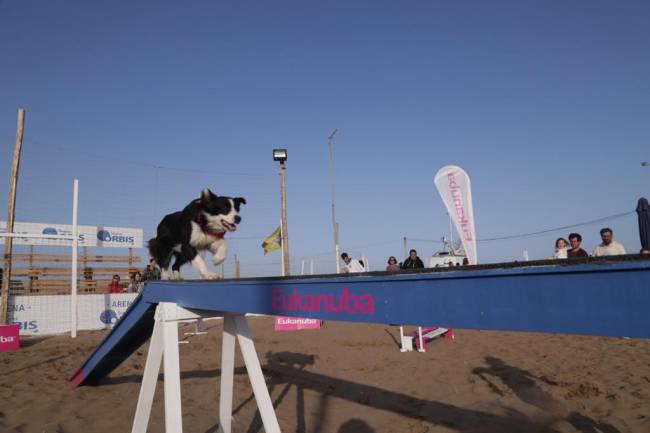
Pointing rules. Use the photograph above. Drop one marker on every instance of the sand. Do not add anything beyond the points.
(350, 378)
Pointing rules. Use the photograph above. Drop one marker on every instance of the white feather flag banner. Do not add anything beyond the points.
(455, 190)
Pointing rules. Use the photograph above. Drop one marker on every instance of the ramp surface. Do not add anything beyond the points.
(603, 298)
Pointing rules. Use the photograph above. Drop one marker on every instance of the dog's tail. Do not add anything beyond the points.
(154, 249)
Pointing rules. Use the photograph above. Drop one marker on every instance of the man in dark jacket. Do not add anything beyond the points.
(413, 261)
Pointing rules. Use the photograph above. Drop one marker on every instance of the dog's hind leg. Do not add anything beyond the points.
(164, 266)
(179, 260)
(191, 254)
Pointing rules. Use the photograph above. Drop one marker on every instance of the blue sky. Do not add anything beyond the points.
(544, 104)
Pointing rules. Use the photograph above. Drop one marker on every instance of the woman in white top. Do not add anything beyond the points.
(560, 251)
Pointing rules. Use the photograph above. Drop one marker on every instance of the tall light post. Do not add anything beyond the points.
(280, 155)
(335, 225)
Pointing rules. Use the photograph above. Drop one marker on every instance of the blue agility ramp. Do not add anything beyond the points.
(603, 298)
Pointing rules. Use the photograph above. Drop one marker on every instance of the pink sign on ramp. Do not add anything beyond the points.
(283, 323)
(9, 338)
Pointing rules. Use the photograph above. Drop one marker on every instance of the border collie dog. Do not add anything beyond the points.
(200, 226)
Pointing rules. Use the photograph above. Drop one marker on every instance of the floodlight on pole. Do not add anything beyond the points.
(335, 225)
(280, 155)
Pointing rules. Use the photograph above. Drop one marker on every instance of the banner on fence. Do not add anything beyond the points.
(88, 236)
(43, 315)
(119, 237)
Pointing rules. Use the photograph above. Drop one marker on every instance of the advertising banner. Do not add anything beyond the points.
(44, 315)
(9, 338)
(455, 190)
(119, 237)
(88, 236)
(283, 323)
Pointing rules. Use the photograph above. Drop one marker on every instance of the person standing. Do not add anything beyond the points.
(151, 272)
(576, 251)
(351, 265)
(136, 283)
(392, 265)
(114, 286)
(609, 247)
(560, 251)
(413, 261)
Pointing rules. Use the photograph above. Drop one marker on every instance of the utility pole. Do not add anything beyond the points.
(335, 225)
(280, 155)
(11, 212)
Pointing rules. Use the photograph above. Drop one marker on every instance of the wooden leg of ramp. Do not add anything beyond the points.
(255, 375)
(149, 379)
(227, 373)
(164, 347)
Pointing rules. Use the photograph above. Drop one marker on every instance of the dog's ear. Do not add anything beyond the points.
(239, 200)
(207, 195)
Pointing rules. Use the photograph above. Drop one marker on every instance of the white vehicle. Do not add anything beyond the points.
(448, 256)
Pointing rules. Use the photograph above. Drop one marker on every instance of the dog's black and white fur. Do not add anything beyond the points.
(200, 226)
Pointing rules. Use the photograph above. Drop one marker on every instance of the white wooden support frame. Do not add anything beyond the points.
(164, 347)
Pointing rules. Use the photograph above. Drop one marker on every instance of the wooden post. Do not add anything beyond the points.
(285, 230)
(237, 269)
(11, 211)
(31, 268)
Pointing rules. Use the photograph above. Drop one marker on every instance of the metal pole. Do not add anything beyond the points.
(75, 242)
(405, 250)
(451, 234)
(285, 231)
(335, 225)
(11, 211)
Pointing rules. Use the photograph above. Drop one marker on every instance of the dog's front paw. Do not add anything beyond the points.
(211, 276)
(177, 275)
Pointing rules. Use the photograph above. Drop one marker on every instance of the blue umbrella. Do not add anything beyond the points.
(643, 209)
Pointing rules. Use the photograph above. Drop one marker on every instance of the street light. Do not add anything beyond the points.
(335, 225)
(280, 155)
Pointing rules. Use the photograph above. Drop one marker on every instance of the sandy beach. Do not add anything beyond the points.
(350, 378)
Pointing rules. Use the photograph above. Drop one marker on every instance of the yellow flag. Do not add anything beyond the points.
(273, 241)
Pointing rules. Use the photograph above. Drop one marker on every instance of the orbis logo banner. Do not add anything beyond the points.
(119, 237)
(9, 338)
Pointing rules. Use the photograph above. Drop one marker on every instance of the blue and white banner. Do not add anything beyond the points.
(119, 237)
(87, 236)
(45, 315)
